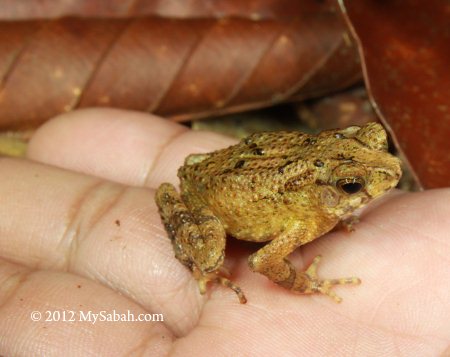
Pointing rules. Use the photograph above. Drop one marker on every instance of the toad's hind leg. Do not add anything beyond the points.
(271, 261)
(197, 236)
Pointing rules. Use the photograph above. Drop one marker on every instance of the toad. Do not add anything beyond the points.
(283, 188)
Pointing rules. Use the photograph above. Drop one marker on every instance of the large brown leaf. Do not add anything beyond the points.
(406, 50)
(256, 9)
(179, 68)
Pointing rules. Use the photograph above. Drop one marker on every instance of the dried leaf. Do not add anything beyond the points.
(406, 51)
(255, 9)
(179, 68)
(341, 110)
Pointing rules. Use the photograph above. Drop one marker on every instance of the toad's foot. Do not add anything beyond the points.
(204, 278)
(197, 235)
(307, 282)
(349, 223)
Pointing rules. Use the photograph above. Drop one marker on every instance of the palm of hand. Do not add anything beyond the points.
(71, 241)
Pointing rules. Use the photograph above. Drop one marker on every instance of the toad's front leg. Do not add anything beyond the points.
(271, 261)
(197, 236)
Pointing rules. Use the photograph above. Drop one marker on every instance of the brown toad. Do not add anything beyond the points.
(288, 188)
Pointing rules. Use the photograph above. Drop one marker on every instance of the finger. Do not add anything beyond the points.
(56, 219)
(43, 310)
(124, 146)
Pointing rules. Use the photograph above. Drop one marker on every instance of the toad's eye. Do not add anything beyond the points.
(351, 185)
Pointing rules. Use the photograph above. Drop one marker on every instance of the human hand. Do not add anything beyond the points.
(83, 234)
